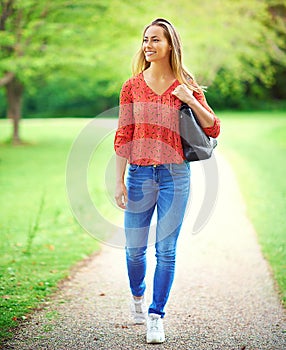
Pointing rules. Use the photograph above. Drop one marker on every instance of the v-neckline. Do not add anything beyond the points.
(154, 92)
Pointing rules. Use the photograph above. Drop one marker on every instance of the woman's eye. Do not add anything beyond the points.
(154, 40)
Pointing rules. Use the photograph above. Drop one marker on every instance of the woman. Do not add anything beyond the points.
(158, 176)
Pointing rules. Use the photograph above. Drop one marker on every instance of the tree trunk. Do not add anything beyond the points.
(14, 91)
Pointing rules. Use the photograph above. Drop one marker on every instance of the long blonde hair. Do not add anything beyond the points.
(176, 58)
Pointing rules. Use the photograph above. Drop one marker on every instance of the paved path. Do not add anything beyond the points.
(223, 295)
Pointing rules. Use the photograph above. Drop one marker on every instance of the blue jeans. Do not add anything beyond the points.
(166, 188)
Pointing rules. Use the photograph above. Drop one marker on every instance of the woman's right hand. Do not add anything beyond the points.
(121, 195)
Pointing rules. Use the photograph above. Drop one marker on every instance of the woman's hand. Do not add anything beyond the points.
(183, 93)
(121, 195)
(206, 118)
(120, 188)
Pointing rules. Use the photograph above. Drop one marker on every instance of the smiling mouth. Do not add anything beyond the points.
(149, 53)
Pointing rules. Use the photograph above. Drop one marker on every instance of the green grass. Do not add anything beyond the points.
(255, 143)
(40, 239)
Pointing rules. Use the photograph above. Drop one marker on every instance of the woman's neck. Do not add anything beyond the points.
(159, 71)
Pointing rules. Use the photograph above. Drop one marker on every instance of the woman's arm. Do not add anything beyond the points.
(120, 188)
(208, 121)
(124, 134)
(205, 117)
(123, 142)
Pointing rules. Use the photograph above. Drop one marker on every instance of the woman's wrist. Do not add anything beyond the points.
(120, 181)
(192, 101)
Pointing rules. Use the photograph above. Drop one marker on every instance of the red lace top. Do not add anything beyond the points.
(148, 127)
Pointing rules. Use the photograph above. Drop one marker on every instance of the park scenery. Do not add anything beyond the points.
(62, 64)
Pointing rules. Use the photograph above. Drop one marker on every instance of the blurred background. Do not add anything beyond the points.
(69, 58)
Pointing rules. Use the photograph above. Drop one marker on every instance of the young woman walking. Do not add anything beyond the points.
(158, 177)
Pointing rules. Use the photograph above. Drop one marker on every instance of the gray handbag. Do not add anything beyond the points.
(196, 144)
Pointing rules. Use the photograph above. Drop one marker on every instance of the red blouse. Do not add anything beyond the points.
(148, 127)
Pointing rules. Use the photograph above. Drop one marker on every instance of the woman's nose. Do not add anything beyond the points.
(147, 44)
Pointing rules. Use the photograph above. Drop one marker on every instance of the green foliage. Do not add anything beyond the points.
(68, 98)
(40, 239)
(246, 96)
(233, 37)
(255, 143)
(53, 39)
(77, 51)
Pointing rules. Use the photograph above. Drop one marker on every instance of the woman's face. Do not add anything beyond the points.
(155, 45)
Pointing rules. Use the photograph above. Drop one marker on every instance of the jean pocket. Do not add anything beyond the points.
(180, 169)
(133, 168)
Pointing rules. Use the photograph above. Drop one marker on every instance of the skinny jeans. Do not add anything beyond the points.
(165, 187)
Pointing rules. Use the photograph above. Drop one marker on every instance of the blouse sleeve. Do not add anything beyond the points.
(124, 133)
(214, 130)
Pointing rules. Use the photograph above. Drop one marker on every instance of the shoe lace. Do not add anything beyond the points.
(154, 324)
(138, 308)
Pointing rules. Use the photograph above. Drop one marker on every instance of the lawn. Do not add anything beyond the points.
(255, 144)
(40, 239)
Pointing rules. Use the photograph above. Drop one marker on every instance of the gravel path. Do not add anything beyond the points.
(223, 295)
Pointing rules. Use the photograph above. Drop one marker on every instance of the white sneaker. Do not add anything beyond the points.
(155, 329)
(139, 310)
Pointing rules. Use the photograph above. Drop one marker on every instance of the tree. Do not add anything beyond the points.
(42, 39)
(26, 29)
(91, 42)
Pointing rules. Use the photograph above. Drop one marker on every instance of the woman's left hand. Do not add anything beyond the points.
(183, 93)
